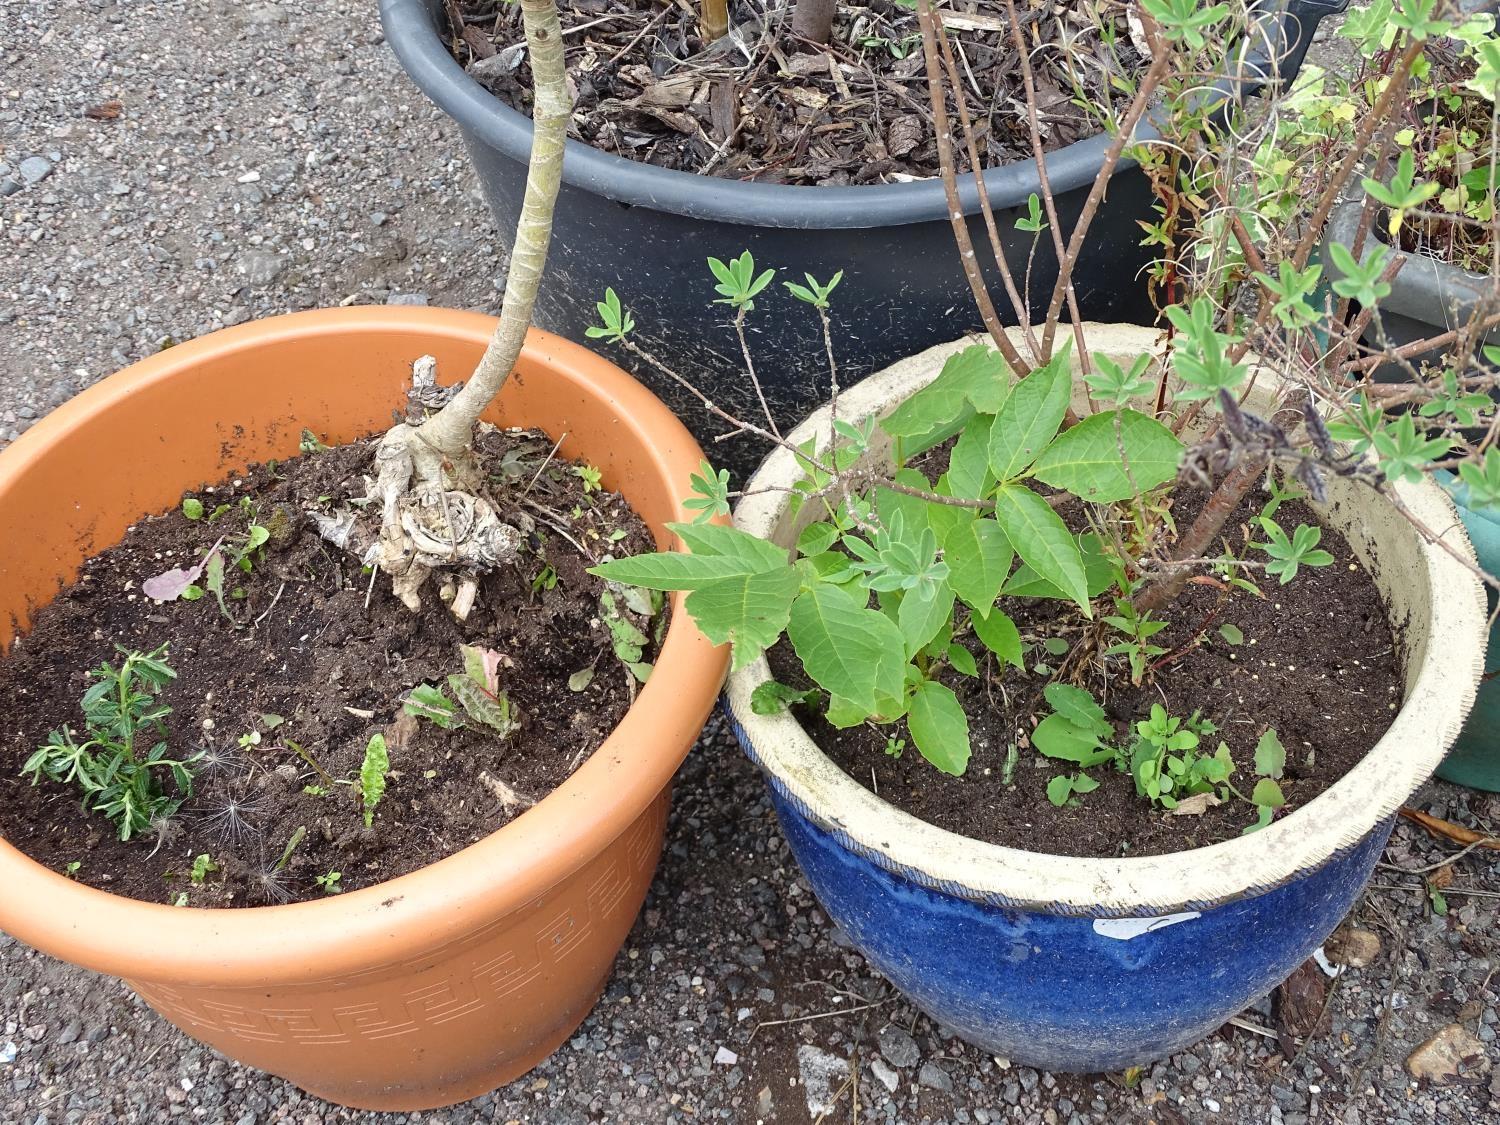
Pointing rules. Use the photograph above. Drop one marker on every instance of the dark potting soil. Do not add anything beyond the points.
(780, 110)
(1318, 663)
(305, 648)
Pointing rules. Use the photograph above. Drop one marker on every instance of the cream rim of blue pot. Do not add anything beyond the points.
(1436, 606)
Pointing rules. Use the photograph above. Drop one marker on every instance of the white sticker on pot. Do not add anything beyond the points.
(1123, 929)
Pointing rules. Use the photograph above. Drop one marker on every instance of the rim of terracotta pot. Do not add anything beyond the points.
(412, 914)
(1437, 701)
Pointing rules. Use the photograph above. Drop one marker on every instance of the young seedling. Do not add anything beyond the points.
(117, 765)
(372, 776)
(329, 883)
(203, 867)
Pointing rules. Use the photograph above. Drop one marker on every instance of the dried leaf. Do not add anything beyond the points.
(170, 585)
(1299, 1001)
(105, 111)
(1196, 805)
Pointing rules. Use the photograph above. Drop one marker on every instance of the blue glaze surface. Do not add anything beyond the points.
(1051, 990)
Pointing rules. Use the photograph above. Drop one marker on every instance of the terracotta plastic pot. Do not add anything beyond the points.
(1084, 965)
(445, 983)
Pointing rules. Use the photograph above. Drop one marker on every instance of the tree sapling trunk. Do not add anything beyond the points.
(433, 504)
(713, 19)
(813, 20)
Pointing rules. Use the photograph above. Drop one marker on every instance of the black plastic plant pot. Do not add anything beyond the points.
(646, 232)
(1428, 297)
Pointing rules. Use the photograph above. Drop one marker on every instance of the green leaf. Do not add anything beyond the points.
(852, 652)
(1079, 708)
(1270, 755)
(772, 698)
(923, 611)
(1025, 582)
(192, 508)
(816, 538)
(968, 476)
(1231, 633)
(1043, 541)
(1030, 417)
(749, 611)
(939, 727)
(976, 378)
(1000, 636)
(1059, 789)
(717, 553)
(428, 702)
(490, 710)
(979, 558)
(1110, 456)
(962, 660)
(372, 772)
(1267, 794)
(1058, 738)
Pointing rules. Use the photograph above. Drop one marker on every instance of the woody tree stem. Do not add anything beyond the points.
(813, 20)
(451, 430)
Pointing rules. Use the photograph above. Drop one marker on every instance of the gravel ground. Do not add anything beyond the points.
(269, 158)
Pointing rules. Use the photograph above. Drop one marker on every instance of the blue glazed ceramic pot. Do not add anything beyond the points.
(1097, 964)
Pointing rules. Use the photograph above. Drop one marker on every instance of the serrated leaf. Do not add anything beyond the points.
(492, 711)
(854, 653)
(1270, 755)
(748, 611)
(721, 553)
(816, 538)
(716, 539)
(1030, 416)
(372, 774)
(1025, 582)
(581, 679)
(968, 476)
(1000, 636)
(1090, 460)
(979, 558)
(976, 378)
(924, 610)
(1079, 708)
(939, 727)
(1043, 541)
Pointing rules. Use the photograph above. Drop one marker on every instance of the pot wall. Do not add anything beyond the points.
(1093, 964)
(452, 980)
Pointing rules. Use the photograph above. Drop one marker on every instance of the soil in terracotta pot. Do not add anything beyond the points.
(309, 652)
(782, 111)
(1315, 660)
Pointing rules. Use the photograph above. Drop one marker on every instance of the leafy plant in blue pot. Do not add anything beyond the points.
(1086, 667)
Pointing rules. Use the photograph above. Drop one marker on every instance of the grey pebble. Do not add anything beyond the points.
(407, 299)
(70, 1033)
(898, 1047)
(935, 1077)
(884, 1074)
(35, 169)
(259, 267)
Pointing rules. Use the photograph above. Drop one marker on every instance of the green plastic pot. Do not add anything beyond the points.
(1475, 758)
